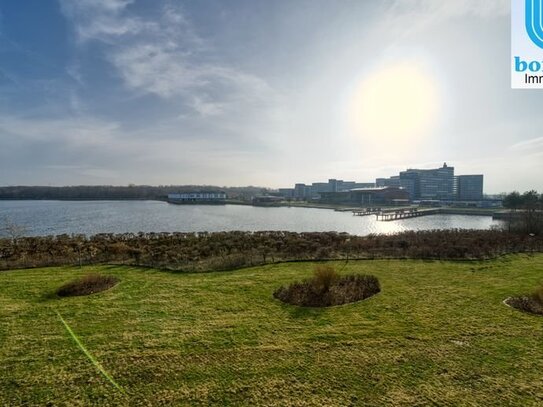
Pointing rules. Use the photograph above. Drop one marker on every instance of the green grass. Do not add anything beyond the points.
(438, 333)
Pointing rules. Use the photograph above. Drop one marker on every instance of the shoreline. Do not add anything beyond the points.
(495, 213)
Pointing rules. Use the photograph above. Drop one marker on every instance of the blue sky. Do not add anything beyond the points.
(255, 92)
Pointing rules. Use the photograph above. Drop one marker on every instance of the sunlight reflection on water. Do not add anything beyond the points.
(91, 217)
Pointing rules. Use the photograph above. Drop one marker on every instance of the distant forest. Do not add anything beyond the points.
(119, 192)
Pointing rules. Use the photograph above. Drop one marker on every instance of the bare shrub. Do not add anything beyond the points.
(86, 285)
(532, 303)
(232, 262)
(328, 288)
(354, 287)
(229, 250)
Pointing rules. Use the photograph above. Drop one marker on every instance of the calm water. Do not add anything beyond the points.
(91, 217)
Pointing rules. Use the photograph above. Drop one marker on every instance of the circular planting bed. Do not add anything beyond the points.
(327, 288)
(530, 304)
(89, 284)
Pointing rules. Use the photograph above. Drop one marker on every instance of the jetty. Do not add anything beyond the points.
(366, 211)
(387, 216)
(397, 213)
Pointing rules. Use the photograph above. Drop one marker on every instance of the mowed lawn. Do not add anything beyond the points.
(437, 334)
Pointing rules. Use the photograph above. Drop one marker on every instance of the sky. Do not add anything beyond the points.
(259, 92)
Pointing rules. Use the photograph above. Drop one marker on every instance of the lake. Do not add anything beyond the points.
(91, 217)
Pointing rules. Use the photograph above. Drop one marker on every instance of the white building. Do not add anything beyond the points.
(197, 196)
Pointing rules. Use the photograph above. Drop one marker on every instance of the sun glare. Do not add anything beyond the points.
(396, 104)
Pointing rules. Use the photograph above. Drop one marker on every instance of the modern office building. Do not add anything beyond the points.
(469, 187)
(410, 185)
(338, 185)
(367, 196)
(299, 191)
(319, 187)
(314, 191)
(287, 193)
(393, 181)
(436, 183)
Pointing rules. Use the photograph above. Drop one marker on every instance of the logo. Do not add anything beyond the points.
(534, 21)
(527, 44)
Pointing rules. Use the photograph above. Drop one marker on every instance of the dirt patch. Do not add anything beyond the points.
(528, 303)
(86, 285)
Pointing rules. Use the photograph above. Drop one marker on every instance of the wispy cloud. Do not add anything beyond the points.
(99, 19)
(72, 132)
(205, 107)
(163, 56)
(406, 17)
(69, 150)
(529, 145)
(453, 8)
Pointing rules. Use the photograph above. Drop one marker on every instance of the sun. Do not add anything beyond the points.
(397, 104)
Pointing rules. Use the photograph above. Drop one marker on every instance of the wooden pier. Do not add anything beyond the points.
(387, 216)
(366, 211)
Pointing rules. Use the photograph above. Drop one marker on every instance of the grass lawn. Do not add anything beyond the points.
(437, 334)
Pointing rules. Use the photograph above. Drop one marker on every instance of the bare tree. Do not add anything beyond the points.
(11, 230)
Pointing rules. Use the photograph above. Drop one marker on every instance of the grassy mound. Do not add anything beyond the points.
(328, 288)
(86, 285)
(532, 303)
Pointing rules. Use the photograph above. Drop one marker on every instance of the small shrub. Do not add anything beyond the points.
(86, 285)
(328, 288)
(323, 277)
(538, 294)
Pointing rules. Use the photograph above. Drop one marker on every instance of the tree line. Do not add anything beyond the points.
(526, 212)
(528, 200)
(109, 192)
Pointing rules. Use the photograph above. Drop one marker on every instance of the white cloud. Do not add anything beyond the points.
(112, 5)
(529, 145)
(164, 57)
(100, 19)
(206, 108)
(165, 71)
(156, 68)
(453, 8)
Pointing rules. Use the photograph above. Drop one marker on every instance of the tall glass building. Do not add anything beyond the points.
(470, 187)
(437, 183)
